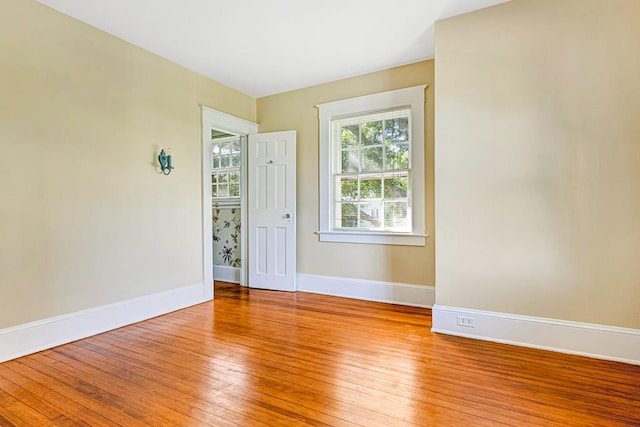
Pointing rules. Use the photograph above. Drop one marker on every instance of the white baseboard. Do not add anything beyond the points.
(226, 274)
(369, 290)
(584, 339)
(32, 337)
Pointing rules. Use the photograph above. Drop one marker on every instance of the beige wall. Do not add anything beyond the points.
(295, 110)
(85, 219)
(538, 160)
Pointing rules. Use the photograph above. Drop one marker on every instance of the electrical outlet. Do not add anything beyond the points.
(467, 322)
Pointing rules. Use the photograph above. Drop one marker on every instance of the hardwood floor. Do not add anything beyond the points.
(262, 358)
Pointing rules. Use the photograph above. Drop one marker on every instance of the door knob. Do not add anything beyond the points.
(287, 216)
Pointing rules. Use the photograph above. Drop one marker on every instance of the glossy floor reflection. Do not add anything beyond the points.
(263, 358)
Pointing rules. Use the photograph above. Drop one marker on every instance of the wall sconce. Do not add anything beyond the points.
(166, 161)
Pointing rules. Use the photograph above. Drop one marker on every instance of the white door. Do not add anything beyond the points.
(271, 206)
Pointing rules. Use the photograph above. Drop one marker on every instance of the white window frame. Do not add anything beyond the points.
(412, 97)
(229, 200)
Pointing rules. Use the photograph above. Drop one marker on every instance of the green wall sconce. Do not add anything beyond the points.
(166, 161)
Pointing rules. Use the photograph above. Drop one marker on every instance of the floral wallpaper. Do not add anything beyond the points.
(226, 236)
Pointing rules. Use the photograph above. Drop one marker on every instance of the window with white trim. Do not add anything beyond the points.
(225, 168)
(372, 168)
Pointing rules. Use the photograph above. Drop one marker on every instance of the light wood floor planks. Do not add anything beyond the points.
(262, 358)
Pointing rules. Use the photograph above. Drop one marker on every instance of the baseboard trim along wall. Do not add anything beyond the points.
(36, 336)
(225, 273)
(369, 290)
(584, 339)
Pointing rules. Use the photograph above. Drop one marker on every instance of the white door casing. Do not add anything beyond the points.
(271, 206)
(214, 119)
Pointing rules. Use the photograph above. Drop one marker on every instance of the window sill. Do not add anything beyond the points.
(402, 239)
(223, 203)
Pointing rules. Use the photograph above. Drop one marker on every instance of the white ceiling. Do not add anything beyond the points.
(262, 47)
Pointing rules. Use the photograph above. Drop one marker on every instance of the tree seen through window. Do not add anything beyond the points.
(373, 171)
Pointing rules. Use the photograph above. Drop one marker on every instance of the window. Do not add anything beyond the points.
(225, 172)
(372, 168)
(371, 172)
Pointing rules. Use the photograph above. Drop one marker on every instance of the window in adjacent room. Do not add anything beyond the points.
(372, 168)
(225, 172)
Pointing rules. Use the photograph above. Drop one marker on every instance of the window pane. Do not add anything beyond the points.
(235, 146)
(370, 188)
(372, 159)
(348, 188)
(235, 159)
(224, 161)
(350, 136)
(397, 156)
(223, 177)
(349, 217)
(396, 187)
(214, 190)
(215, 148)
(396, 130)
(216, 162)
(372, 133)
(370, 215)
(223, 190)
(349, 161)
(234, 190)
(225, 148)
(395, 215)
(214, 177)
(234, 177)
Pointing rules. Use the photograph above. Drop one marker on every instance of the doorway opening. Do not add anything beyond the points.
(233, 149)
(224, 148)
(229, 254)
